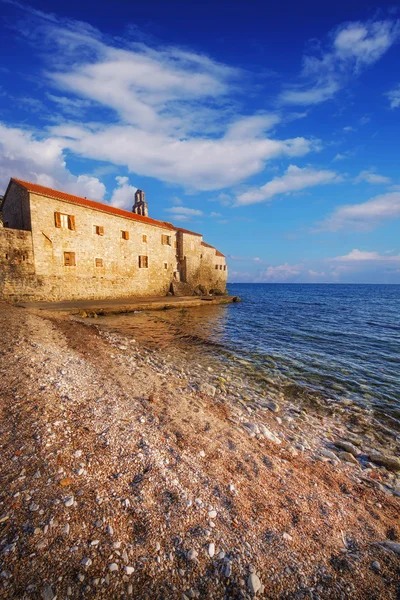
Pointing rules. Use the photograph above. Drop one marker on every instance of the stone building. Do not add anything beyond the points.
(56, 246)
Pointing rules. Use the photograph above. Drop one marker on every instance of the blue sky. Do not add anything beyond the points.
(272, 130)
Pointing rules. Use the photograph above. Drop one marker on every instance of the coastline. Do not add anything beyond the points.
(188, 480)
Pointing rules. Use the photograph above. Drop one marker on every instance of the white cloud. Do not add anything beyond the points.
(165, 112)
(371, 177)
(215, 214)
(353, 47)
(41, 160)
(123, 195)
(365, 216)
(394, 97)
(183, 210)
(294, 179)
(363, 256)
(279, 273)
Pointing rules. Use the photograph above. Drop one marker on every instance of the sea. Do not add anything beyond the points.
(341, 342)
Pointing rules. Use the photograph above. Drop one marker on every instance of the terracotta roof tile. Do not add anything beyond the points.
(58, 195)
(187, 231)
(218, 253)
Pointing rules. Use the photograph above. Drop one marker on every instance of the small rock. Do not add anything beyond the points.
(348, 458)
(202, 453)
(273, 406)
(211, 549)
(207, 388)
(129, 570)
(376, 566)
(286, 536)
(269, 435)
(394, 546)
(112, 567)
(347, 447)
(47, 593)
(228, 570)
(86, 562)
(192, 554)
(69, 501)
(4, 517)
(253, 583)
(390, 462)
(212, 514)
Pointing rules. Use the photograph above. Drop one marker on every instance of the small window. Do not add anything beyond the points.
(6, 256)
(69, 259)
(143, 262)
(216, 266)
(165, 265)
(63, 221)
(99, 262)
(166, 240)
(201, 256)
(144, 239)
(224, 267)
(220, 267)
(125, 235)
(98, 229)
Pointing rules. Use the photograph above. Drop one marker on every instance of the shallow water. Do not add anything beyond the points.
(341, 341)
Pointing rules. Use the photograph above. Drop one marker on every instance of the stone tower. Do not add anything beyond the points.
(140, 207)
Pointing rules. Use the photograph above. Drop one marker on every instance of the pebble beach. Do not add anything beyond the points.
(134, 472)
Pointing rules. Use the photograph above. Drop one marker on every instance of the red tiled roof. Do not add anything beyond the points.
(207, 245)
(45, 191)
(218, 253)
(187, 231)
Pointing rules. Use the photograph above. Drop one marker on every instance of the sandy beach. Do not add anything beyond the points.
(128, 472)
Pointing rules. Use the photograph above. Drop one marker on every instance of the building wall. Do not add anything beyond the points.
(48, 278)
(17, 272)
(16, 211)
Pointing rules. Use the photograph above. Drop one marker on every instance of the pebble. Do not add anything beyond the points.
(253, 583)
(347, 447)
(228, 570)
(192, 554)
(4, 517)
(86, 562)
(376, 566)
(286, 536)
(212, 514)
(129, 570)
(394, 546)
(112, 567)
(202, 453)
(211, 549)
(94, 542)
(390, 462)
(69, 501)
(47, 593)
(66, 529)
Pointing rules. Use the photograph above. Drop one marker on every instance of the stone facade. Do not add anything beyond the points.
(78, 249)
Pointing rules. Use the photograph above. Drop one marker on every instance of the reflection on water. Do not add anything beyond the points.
(341, 341)
(203, 326)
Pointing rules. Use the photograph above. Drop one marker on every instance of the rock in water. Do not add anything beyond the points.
(253, 583)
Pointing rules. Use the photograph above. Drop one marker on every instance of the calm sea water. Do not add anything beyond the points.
(342, 341)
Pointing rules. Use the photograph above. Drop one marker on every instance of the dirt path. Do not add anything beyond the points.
(118, 479)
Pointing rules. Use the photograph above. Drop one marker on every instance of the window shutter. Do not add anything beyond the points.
(71, 222)
(57, 219)
(72, 259)
(101, 230)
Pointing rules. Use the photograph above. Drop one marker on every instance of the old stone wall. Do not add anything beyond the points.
(16, 209)
(17, 272)
(96, 254)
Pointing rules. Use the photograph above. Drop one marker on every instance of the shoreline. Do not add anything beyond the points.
(190, 483)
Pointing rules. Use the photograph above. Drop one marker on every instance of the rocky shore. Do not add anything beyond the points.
(128, 472)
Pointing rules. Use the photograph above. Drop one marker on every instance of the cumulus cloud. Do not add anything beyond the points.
(352, 48)
(183, 210)
(365, 216)
(394, 97)
(41, 160)
(123, 195)
(284, 272)
(363, 256)
(161, 111)
(293, 180)
(371, 177)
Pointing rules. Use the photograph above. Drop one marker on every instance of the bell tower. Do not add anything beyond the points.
(140, 207)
